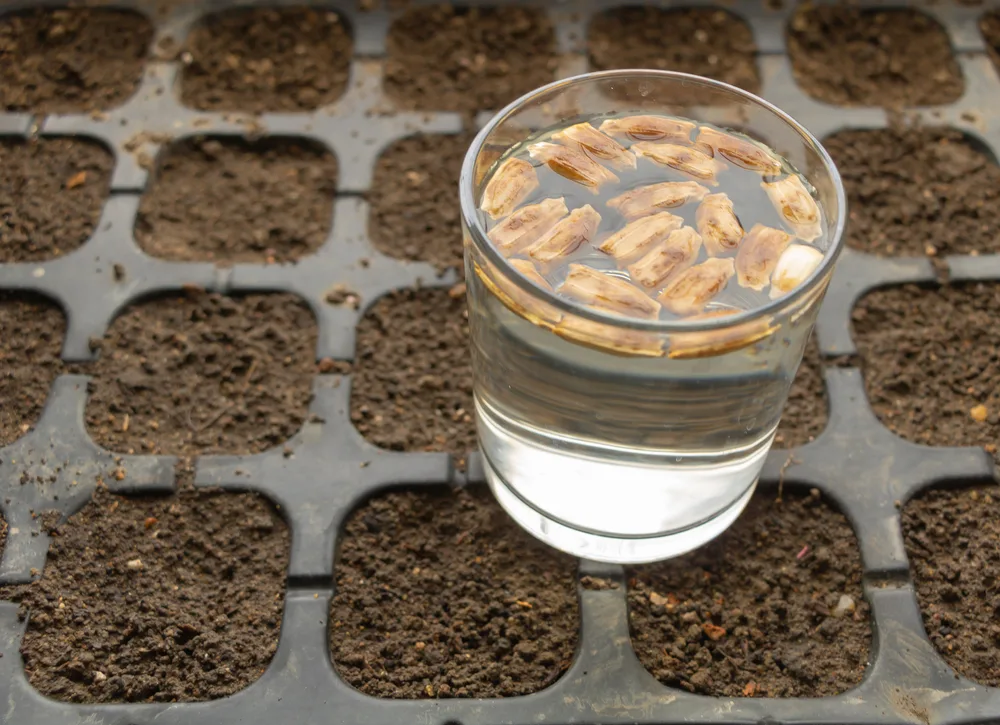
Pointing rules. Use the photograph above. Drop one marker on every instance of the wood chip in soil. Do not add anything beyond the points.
(951, 541)
(71, 59)
(156, 599)
(228, 201)
(806, 412)
(847, 56)
(772, 608)
(54, 190)
(268, 59)
(931, 362)
(913, 191)
(446, 58)
(203, 373)
(33, 330)
(442, 595)
(707, 42)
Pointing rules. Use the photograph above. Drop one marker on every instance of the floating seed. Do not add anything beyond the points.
(718, 225)
(652, 198)
(690, 161)
(608, 338)
(527, 269)
(758, 255)
(573, 164)
(692, 289)
(567, 235)
(717, 342)
(635, 238)
(514, 298)
(511, 184)
(741, 151)
(649, 128)
(587, 138)
(675, 254)
(608, 293)
(794, 266)
(796, 206)
(526, 226)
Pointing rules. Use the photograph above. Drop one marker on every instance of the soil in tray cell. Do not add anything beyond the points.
(442, 595)
(951, 541)
(847, 56)
(805, 413)
(931, 362)
(203, 373)
(772, 608)
(227, 201)
(990, 27)
(71, 59)
(53, 192)
(33, 329)
(446, 58)
(414, 200)
(412, 387)
(915, 191)
(704, 41)
(160, 599)
(273, 59)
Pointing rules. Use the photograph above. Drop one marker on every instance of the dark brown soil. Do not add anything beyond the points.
(66, 60)
(445, 58)
(951, 539)
(931, 357)
(29, 360)
(203, 373)
(412, 388)
(806, 411)
(53, 192)
(990, 28)
(285, 59)
(847, 56)
(706, 42)
(414, 200)
(917, 191)
(3, 536)
(228, 201)
(442, 595)
(754, 612)
(157, 599)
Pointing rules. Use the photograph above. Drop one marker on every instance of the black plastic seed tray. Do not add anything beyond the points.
(327, 468)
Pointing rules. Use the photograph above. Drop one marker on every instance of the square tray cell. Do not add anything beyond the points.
(847, 56)
(203, 373)
(412, 388)
(71, 60)
(806, 411)
(54, 189)
(704, 41)
(445, 58)
(414, 200)
(33, 329)
(226, 200)
(442, 595)
(951, 540)
(914, 191)
(273, 59)
(163, 599)
(929, 358)
(772, 608)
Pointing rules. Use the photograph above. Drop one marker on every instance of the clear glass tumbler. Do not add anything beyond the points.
(631, 457)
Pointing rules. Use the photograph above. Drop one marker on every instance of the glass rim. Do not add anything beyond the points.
(469, 209)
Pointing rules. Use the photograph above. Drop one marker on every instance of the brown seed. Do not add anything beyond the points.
(511, 183)
(690, 161)
(608, 293)
(741, 151)
(649, 128)
(526, 225)
(687, 345)
(527, 269)
(587, 138)
(718, 225)
(513, 297)
(692, 289)
(675, 254)
(608, 338)
(567, 235)
(758, 255)
(636, 238)
(573, 164)
(796, 206)
(652, 198)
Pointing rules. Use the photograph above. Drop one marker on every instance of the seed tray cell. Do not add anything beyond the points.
(327, 469)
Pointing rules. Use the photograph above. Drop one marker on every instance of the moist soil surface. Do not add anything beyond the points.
(442, 595)
(71, 60)
(443, 58)
(228, 201)
(286, 59)
(203, 373)
(755, 612)
(931, 362)
(990, 27)
(53, 192)
(951, 540)
(157, 599)
(914, 191)
(847, 56)
(29, 360)
(706, 42)
(806, 410)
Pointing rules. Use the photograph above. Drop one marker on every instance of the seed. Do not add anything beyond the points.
(692, 162)
(692, 289)
(607, 338)
(675, 254)
(608, 293)
(741, 151)
(525, 226)
(645, 200)
(758, 255)
(511, 184)
(527, 269)
(649, 128)
(637, 237)
(573, 164)
(795, 264)
(567, 235)
(796, 206)
(718, 225)
(587, 138)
